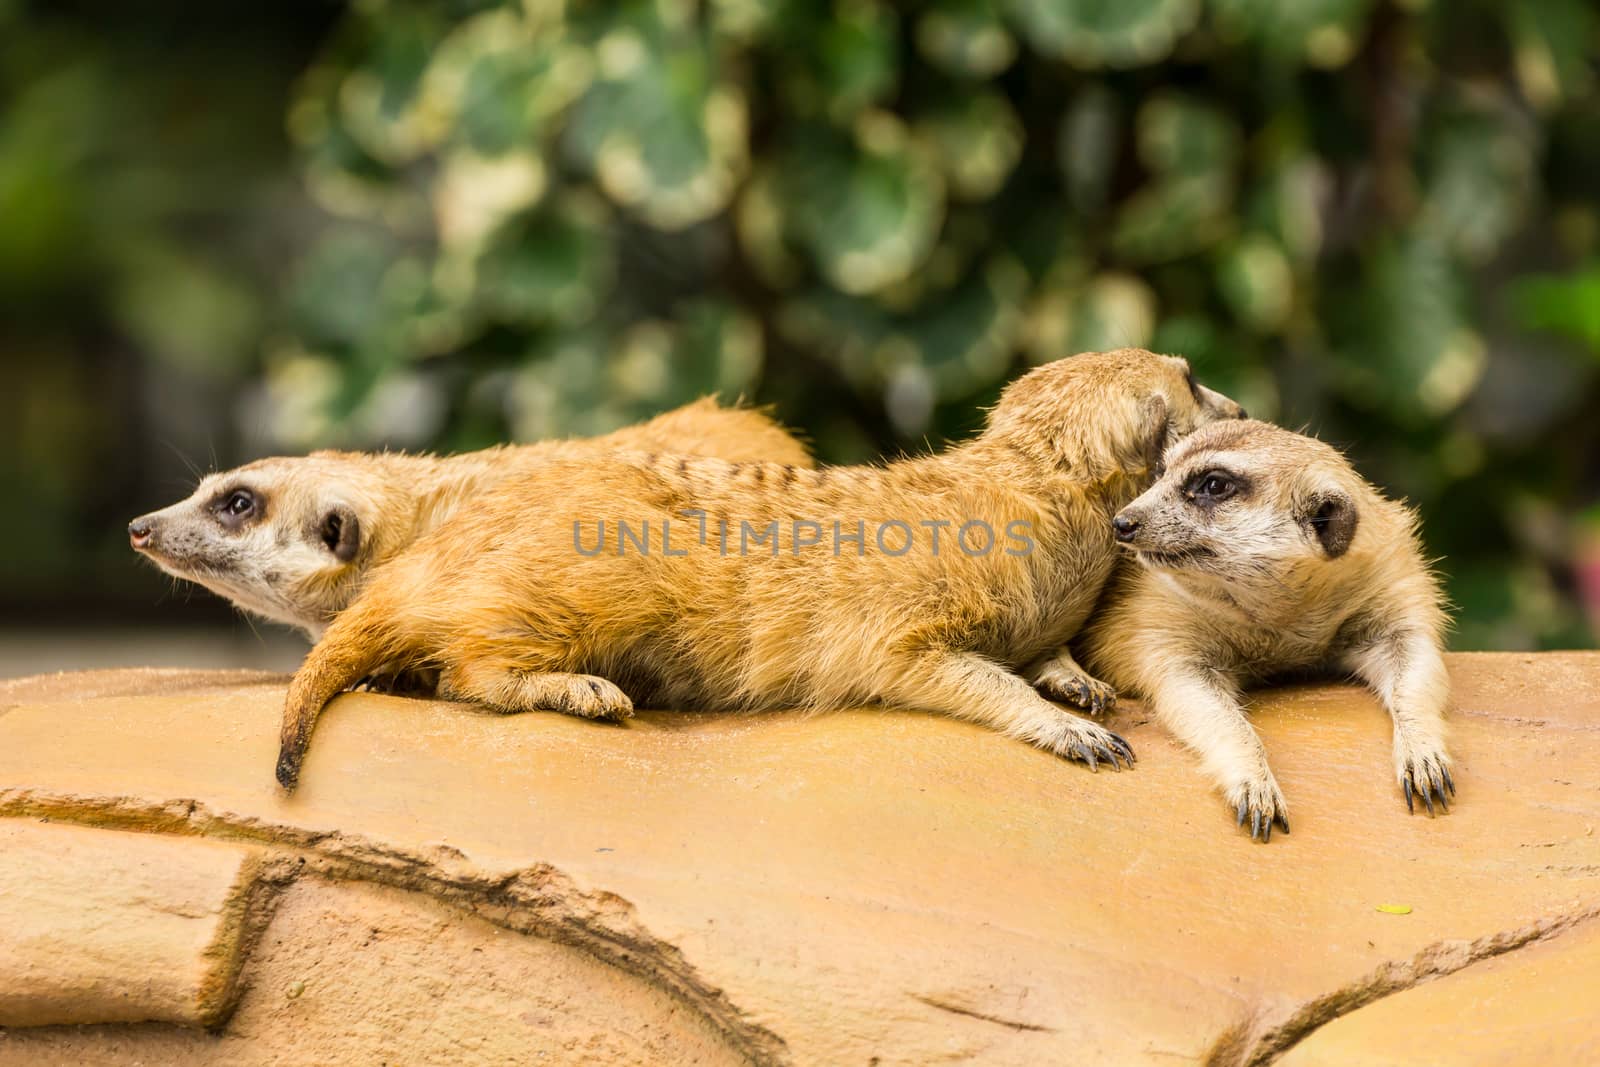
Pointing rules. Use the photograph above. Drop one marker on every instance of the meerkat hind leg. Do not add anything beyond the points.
(512, 689)
(967, 686)
(1059, 677)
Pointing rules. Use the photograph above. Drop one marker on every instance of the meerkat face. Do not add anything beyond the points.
(1108, 410)
(280, 538)
(1244, 500)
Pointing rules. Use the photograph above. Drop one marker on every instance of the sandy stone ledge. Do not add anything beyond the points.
(866, 887)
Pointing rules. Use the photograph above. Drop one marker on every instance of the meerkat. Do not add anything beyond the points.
(1259, 553)
(294, 539)
(525, 608)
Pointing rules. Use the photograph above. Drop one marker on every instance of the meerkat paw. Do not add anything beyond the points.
(1087, 742)
(1260, 802)
(592, 698)
(1060, 678)
(1423, 770)
(515, 691)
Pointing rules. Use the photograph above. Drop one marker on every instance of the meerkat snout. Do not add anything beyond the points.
(1126, 527)
(139, 531)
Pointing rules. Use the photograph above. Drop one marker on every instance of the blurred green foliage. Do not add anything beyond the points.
(1378, 220)
(570, 215)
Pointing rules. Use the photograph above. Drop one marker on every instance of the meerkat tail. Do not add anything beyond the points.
(353, 646)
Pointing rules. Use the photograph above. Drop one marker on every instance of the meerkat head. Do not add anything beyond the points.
(1245, 500)
(1107, 412)
(284, 538)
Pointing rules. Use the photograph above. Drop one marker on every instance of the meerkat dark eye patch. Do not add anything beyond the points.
(1332, 519)
(235, 507)
(341, 532)
(1213, 487)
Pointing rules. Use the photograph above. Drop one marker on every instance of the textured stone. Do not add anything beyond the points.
(105, 927)
(833, 888)
(1540, 1004)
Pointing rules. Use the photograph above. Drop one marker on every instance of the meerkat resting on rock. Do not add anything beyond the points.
(294, 539)
(1261, 552)
(702, 583)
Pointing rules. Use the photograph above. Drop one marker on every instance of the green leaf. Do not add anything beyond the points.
(553, 267)
(497, 82)
(1257, 283)
(868, 213)
(717, 348)
(1478, 172)
(1567, 304)
(335, 296)
(1111, 310)
(977, 140)
(1181, 135)
(1105, 33)
(1405, 343)
(1323, 33)
(849, 63)
(965, 339)
(1553, 47)
(1173, 217)
(376, 99)
(663, 137)
(966, 38)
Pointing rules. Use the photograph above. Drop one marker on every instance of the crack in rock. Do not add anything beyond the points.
(539, 900)
(1258, 1040)
(973, 1013)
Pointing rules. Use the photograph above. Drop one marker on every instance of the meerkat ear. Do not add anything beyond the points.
(341, 532)
(1155, 424)
(1331, 517)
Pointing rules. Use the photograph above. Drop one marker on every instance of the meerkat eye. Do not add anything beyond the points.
(235, 507)
(1211, 487)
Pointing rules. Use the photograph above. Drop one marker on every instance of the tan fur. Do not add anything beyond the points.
(501, 601)
(279, 567)
(1305, 567)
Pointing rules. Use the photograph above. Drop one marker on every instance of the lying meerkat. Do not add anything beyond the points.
(525, 608)
(1261, 552)
(293, 539)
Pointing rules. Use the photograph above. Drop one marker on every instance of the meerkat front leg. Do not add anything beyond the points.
(1407, 672)
(1204, 712)
(506, 686)
(967, 686)
(1060, 677)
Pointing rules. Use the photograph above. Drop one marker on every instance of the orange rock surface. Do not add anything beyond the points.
(867, 886)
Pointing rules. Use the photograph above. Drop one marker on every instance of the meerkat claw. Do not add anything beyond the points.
(1448, 783)
(1109, 756)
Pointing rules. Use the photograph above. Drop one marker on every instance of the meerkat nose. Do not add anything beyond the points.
(1125, 527)
(139, 531)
